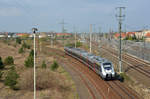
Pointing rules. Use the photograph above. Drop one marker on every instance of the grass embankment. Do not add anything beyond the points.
(53, 84)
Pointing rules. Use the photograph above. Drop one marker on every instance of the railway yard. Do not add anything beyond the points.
(74, 49)
(87, 83)
(98, 88)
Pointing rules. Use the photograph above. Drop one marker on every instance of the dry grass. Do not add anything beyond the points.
(50, 85)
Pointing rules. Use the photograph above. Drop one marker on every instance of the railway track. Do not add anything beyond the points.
(83, 80)
(110, 89)
(62, 62)
(128, 93)
(132, 62)
(119, 89)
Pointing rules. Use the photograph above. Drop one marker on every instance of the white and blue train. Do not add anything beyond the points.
(101, 66)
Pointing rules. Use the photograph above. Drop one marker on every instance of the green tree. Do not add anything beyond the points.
(11, 79)
(44, 64)
(31, 53)
(21, 50)
(24, 45)
(29, 62)
(1, 63)
(134, 37)
(54, 66)
(18, 40)
(130, 38)
(28, 46)
(9, 60)
(78, 44)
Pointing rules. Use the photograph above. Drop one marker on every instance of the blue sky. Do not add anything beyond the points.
(22, 15)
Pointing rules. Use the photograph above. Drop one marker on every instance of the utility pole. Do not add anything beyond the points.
(75, 36)
(99, 33)
(109, 34)
(75, 39)
(94, 32)
(144, 43)
(34, 31)
(51, 38)
(90, 38)
(84, 36)
(120, 18)
(63, 26)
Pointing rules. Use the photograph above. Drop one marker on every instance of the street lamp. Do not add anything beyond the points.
(34, 31)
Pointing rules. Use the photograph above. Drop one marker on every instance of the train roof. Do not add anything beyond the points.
(89, 55)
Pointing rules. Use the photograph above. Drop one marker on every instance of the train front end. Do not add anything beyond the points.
(108, 70)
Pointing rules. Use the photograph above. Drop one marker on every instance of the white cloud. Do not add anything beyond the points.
(10, 11)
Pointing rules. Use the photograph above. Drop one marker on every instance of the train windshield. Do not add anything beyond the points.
(107, 66)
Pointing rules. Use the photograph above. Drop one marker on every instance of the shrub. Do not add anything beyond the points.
(28, 46)
(11, 79)
(21, 50)
(123, 77)
(30, 59)
(1, 74)
(1, 64)
(24, 45)
(12, 67)
(44, 64)
(29, 62)
(31, 53)
(9, 60)
(18, 40)
(26, 80)
(49, 80)
(54, 66)
(78, 44)
(70, 45)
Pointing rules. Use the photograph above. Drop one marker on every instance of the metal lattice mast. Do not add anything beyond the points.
(63, 26)
(120, 19)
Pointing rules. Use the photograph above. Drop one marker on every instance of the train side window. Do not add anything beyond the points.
(96, 66)
(100, 69)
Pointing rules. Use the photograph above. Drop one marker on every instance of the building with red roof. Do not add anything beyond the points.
(22, 34)
(147, 36)
(117, 35)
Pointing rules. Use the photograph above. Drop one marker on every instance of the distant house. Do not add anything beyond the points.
(22, 34)
(6, 34)
(139, 34)
(42, 35)
(117, 35)
(30, 35)
(63, 34)
(130, 34)
(147, 37)
(2, 35)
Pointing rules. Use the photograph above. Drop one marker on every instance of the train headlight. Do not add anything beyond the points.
(104, 73)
